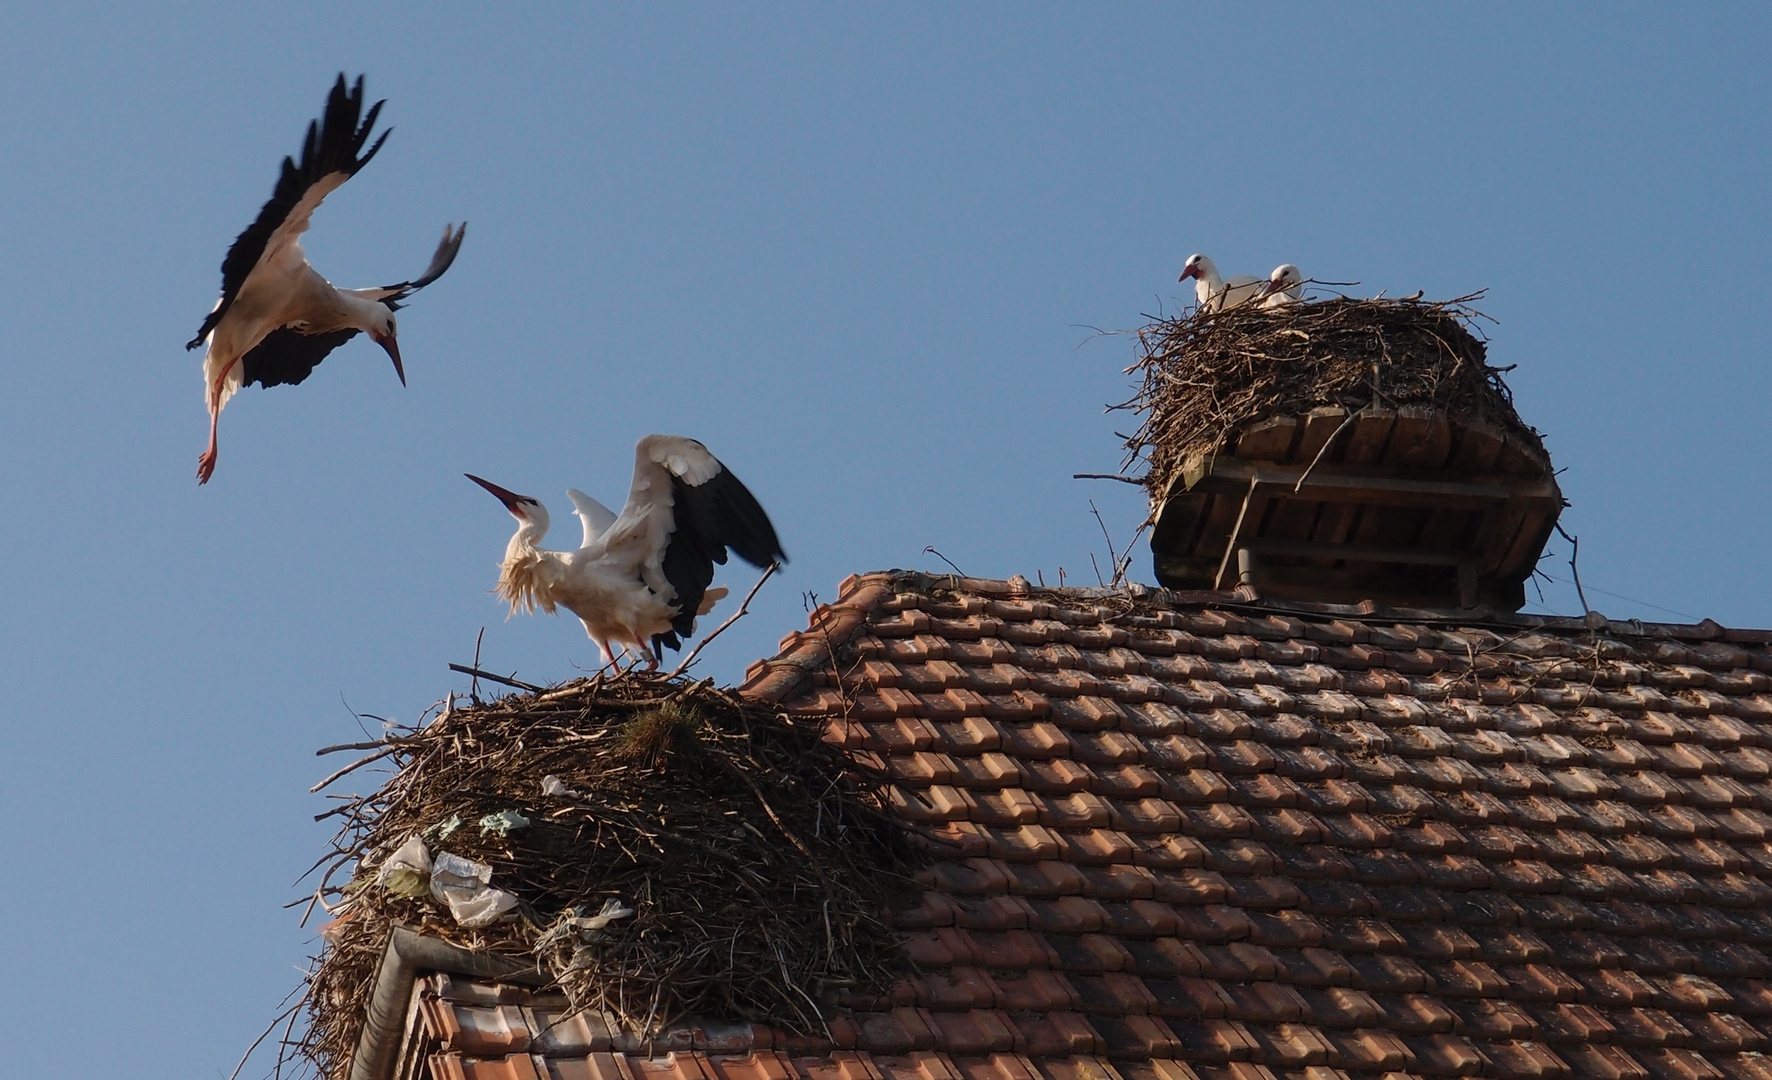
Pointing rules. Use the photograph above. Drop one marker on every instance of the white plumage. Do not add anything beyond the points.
(1214, 293)
(1284, 286)
(640, 577)
(277, 317)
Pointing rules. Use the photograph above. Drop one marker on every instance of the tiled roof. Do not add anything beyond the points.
(1192, 837)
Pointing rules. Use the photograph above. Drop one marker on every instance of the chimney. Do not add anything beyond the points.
(1338, 452)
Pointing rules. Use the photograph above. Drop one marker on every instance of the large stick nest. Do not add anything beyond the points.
(1208, 374)
(758, 859)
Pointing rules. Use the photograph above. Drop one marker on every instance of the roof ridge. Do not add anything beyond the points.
(871, 588)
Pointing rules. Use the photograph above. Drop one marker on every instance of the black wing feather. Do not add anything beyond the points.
(708, 518)
(441, 260)
(334, 144)
(287, 357)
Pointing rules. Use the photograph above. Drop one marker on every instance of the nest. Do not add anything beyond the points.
(1207, 374)
(757, 860)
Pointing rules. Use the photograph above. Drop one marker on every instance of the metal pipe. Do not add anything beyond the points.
(408, 953)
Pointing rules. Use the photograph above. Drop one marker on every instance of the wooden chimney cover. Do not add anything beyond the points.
(1407, 506)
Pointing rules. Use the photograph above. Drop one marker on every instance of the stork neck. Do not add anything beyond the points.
(368, 315)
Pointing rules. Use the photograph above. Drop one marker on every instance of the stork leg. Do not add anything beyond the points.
(206, 460)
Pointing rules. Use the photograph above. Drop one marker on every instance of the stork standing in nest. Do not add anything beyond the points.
(639, 579)
(277, 318)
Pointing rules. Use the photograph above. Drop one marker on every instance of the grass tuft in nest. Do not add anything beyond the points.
(656, 737)
(758, 861)
(1208, 374)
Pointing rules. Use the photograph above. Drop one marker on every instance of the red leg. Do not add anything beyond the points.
(206, 461)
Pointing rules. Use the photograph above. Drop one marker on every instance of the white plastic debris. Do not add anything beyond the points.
(407, 871)
(465, 887)
(502, 822)
(612, 910)
(556, 787)
(574, 926)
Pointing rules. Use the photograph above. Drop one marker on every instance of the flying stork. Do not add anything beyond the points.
(639, 579)
(277, 318)
(1213, 293)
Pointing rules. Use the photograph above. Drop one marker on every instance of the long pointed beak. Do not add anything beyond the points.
(1185, 274)
(511, 499)
(1268, 288)
(392, 344)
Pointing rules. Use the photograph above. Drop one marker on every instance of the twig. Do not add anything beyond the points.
(1133, 480)
(286, 1013)
(1574, 550)
(930, 550)
(744, 606)
(1324, 449)
(324, 750)
(474, 685)
(1113, 556)
(490, 677)
(353, 767)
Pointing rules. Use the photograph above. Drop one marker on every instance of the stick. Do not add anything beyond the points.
(267, 1032)
(353, 766)
(1113, 556)
(324, 750)
(744, 606)
(930, 550)
(1327, 443)
(1574, 550)
(1107, 476)
(490, 677)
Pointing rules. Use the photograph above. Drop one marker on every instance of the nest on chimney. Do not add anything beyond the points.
(1207, 374)
(756, 862)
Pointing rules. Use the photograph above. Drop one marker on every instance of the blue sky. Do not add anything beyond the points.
(857, 251)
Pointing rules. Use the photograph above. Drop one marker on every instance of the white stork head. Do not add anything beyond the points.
(531, 515)
(387, 338)
(1198, 267)
(377, 320)
(1285, 279)
(523, 577)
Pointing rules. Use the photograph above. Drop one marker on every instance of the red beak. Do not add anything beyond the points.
(513, 501)
(393, 346)
(1186, 273)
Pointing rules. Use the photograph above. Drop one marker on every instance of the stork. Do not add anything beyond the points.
(1284, 286)
(639, 578)
(277, 318)
(1213, 293)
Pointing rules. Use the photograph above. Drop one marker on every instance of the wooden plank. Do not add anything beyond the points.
(1421, 438)
(1517, 459)
(1268, 440)
(1365, 442)
(1451, 529)
(1474, 447)
(1292, 517)
(1529, 540)
(1318, 425)
(1178, 523)
(1219, 514)
(1405, 556)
